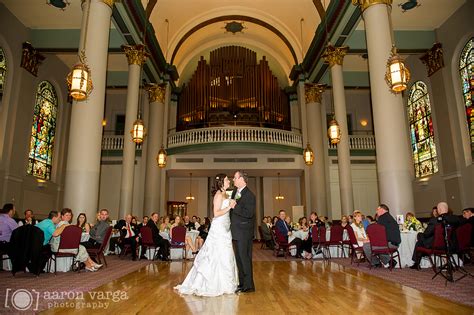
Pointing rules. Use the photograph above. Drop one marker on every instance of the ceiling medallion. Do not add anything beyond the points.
(409, 5)
(234, 27)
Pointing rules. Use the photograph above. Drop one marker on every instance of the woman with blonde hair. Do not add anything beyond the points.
(358, 228)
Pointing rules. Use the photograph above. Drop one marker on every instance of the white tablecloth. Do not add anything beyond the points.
(407, 247)
(177, 253)
(335, 252)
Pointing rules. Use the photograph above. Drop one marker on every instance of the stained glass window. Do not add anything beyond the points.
(466, 69)
(421, 130)
(3, 71)
(43, 131)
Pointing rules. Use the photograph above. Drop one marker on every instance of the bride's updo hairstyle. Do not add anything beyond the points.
(218, 183)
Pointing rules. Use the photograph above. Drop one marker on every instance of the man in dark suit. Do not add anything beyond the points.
(284, 229)
(266, 233)
(128, 234)
(426, 238)
(144, 222)
(242, 218)
(164, 245)
(468, 218)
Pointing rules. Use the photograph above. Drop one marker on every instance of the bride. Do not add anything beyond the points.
(214, 271)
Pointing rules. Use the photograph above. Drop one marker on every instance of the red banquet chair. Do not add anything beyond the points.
(318, 237)
(355, 248)
(70, 240)
(379, 244)
(97, 253)
(438, 248)
(335, 239)
(463, 237)
(147, 240)
(178, 238)
(281, 243)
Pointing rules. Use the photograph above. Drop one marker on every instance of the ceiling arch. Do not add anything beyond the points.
(253, 20)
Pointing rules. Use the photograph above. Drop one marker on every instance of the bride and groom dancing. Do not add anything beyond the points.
(220, 268)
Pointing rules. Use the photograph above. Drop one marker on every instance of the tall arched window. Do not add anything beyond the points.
(3, 71)
(43, 131)
(466, 70)
(421, 130)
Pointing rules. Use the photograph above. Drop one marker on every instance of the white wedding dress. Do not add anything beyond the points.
(214, 271)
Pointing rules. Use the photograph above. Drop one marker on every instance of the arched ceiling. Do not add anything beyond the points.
(281, 30)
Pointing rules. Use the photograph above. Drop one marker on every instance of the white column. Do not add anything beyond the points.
(81, 192)
(335, 57)
(394, 165)
(136, 56)
(304, 133)
(156, 96)
(317, 172)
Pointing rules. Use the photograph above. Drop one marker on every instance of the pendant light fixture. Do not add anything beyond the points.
(79, 79)
(397, 74)
(280, 196)
(190, 197)
(161, 157)
(308, 155)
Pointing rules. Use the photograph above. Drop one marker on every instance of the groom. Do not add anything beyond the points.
(242, 219)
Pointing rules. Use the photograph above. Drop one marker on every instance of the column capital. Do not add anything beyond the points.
(335, 55)
(433, 59)
(136, 54)
(110, 3)
(364, 4)
(156, 93)
(313, 92)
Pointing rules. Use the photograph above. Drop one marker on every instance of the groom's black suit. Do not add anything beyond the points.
(242, 219)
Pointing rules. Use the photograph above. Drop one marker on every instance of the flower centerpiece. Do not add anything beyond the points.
(412, 224)
(295, 226)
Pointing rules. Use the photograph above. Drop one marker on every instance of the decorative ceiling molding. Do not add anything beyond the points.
(233, 18)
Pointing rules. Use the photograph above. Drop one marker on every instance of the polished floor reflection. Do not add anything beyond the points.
(283, 287)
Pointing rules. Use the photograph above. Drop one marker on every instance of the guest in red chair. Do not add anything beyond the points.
(284, 229)
(164, 251)
(128, 234)
(359, 231)
(392, 232)
(426, 238)
(97, 232)
(82, 255)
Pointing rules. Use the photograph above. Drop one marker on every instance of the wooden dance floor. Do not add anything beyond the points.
(283, 287)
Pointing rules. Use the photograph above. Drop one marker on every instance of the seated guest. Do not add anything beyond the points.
(188, 240)
(134, 221)
(7, 225)
(82, 255)
(314, 220)
(370, 219)
(48, 226)
(468, 218)
(274, 221)
(393, 235)
(434, 212)
(128, 234)
(203, 231)
(350, 219)
(426, 238)
(284, 229)
(158, 240)
(165, 226)
(188, 224)
(195, 221)
(97, 232)
(359, 231)
(82, 223)
(365, 221)
(144, 222)
(344, 222)
(266, 233)
(29, 218)
(289, 222)
(303, 223)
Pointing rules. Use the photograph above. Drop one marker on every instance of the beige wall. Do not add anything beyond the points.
(16, 113)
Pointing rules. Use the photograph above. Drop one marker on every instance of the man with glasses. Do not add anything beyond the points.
(242, 218)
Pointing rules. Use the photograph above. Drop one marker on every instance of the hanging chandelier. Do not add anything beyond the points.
(308, 155)
(79, 79)
(334, 132)
(280, 196)
(138, 131)
(190, 196)
(397, 74)
(161, 157)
